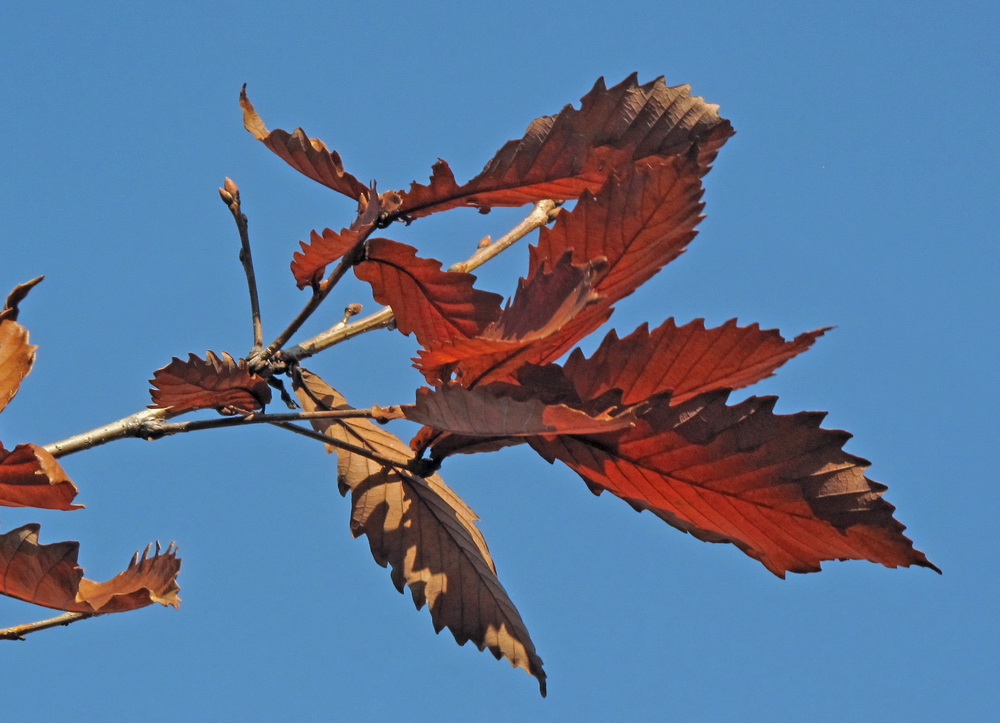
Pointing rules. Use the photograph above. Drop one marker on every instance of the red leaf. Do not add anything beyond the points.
(220, 383)
(639, 221)
(426, 533)
(308, 156)
(49, 575)
(489, 411)
(546, 317)
(437, 306)
(778, 486)
(31, 477)
(561, 156)
(686, 360)
(309, 264)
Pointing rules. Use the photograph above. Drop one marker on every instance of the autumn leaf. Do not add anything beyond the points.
(685, 360)
(564, 155)
(309, 264)
(435, 305)
(16, 354)
(492, 411)
(214, 382)
(779, 487)
(542, 322)
(638, 222)
(31, 477)
(306, 155)
(425, 533)
(49, 575)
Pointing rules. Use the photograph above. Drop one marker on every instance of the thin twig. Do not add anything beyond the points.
(230, 194)
(541, 214)
(18, 632)
(167, 429)
(346, 446)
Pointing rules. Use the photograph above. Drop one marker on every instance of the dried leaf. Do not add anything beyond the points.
(424, 531)
(685, 360)
(306, 155)
(15, 297)
(564, 155)
(216, 382)
(309, 264)
(545, 318)
(777, 486)
(640, 221)
(31, 477)
(489, 411)
(435, 305)
(49, 575)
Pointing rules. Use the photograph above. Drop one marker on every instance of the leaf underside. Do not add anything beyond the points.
(211, 383)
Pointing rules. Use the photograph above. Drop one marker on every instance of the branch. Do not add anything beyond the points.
(19, 631)
(130, 426)
(230, 194)
(155, 430)
(346, 446)
(541, 214)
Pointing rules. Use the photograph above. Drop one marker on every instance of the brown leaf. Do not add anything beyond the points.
(16, 354)
(424, 531)
(309, 264)
(31, 477)
(639, 222)
(435, 305)
(489, 411)
(308, 156)
(778, 486)
(49, 575)
(564, 155)
(15, 297)
(685, 360)
(220, 383)
(545, 318)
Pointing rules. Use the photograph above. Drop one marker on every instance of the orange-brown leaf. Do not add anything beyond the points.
(640, 221)
(435, 305)
(549, 313)
(31, 477)
(487, 411)
(215, 382)
(16, 354)
(426, 533)
(564, 155)
(16, 296)
(309, 264)
(777, 486)
(685, 360)
(49, 575)
(306, 155)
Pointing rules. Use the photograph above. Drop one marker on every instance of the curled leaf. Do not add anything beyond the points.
(31, 477)
(49, 575)
(435, 305)
(214, 382)
(16, 354)
(306, 155)
(16, 296)
(309, 264)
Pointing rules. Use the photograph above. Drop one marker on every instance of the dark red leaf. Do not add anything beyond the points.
(31, 477)
(306, 155)
(778, 486)
(49, 575)
(309, 264)
(217, 382)
(685, 360)
(437, 306)
(564, 155)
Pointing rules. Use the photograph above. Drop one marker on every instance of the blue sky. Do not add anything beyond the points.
(856, 193)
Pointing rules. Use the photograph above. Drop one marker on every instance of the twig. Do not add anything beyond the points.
(129, 426)
(541, 214)
(156, 430)
(230, 194)
(346, 446)
(19, 631)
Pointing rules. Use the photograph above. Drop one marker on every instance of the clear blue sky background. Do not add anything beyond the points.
(860, 191)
